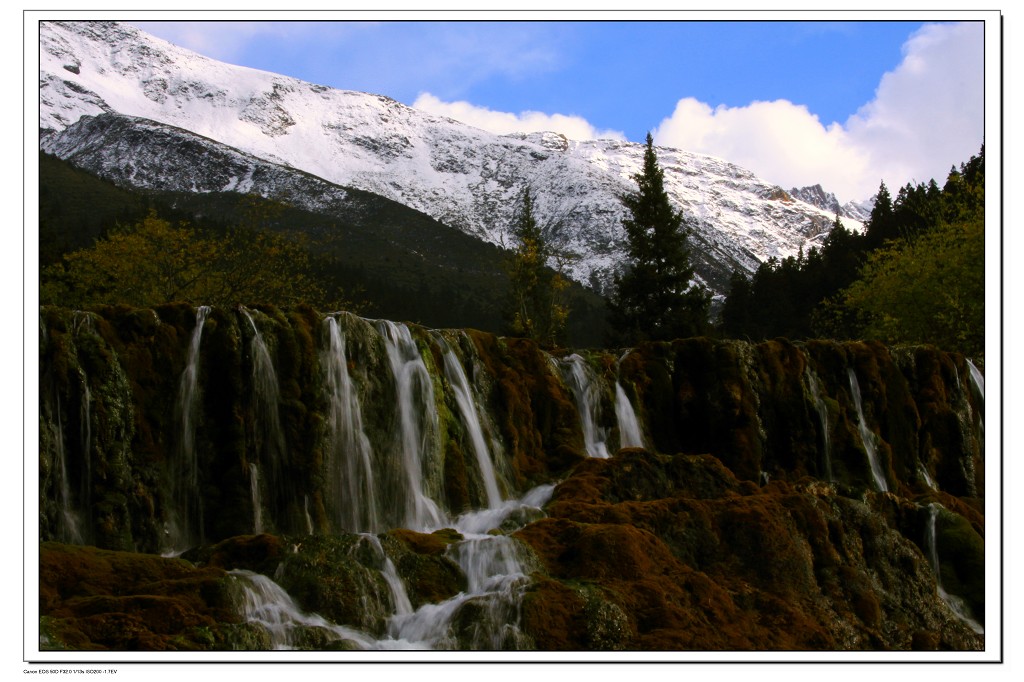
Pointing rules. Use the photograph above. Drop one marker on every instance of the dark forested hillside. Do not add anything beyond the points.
(386, 259)
(916, 275)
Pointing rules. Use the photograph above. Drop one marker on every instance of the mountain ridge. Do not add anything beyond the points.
(457, 174)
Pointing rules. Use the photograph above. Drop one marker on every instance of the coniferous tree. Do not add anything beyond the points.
(653, 299)
(538, 309)
(882, 223)
(738, 311)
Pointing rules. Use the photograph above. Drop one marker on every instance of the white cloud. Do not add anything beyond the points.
(927, 115)
(780, 141)
(225, 42)
(503, 123)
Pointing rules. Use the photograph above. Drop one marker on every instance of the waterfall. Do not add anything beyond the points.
(418, 422)
(928, 480)
(186, 475)
(629, 427)
(265, 603)
(305, 510)
(630, 433)
(254, 490)
(357, 508)
(85, 494)
(819, 404)
(585, 389)
(955, 603)
(977, 380)
(399, 597)
(978, 383)
(866, 436)
(471, 420)
(268, 437)
(71, 531)
(497, 573)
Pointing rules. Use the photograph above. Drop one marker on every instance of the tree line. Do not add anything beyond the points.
(915, 275)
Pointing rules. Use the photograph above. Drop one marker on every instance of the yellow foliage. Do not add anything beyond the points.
(155, 262)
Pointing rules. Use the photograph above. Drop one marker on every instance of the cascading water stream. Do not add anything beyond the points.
(265, 603)
(471, 420)
(254, 491)
(357, 506)
(186, 475)
(85, 489)
(497, 573)
(866, 436)
(629, 426)
(630, 433)
(585, 389)
(71, 530)
(305, 511)
(399, 597)
(978, 383)
(814, 386)
(267, 434)
(977, 380)
(955, 603)
(418, 421)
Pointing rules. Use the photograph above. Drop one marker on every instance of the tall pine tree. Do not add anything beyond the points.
(537, 306)
(653, 298)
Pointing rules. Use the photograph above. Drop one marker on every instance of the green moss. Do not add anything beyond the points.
(962, 561)
(422, 562)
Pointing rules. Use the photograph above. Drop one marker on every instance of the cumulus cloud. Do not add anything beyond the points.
(780, 141)
(503, 123)
(927, 115)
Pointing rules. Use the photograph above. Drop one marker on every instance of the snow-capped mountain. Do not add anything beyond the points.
(815, 195)
(457, 174)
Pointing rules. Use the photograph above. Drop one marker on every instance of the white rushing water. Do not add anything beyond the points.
(977, 380)
(629, 426)
(399, 596)
(957, 605)
(419, 422)
(71, 526)
(356, 495)
(85, 494)
(186, 478)
(266, 603)
(928, 480)
(866, 436)
(496, 568)
(586, 391)
(978, 384)
(267, 432)
(254, 491)
(814, 386)
(471, 420)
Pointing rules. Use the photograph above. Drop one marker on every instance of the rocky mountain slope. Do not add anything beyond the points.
(457, 174)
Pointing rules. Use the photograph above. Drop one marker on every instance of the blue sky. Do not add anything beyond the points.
(797, 102)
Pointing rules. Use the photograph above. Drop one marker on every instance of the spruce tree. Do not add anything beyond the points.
(881, 226)
(537, 308)
(653, 298)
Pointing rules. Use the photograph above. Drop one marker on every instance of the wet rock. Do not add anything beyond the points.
(727, 567)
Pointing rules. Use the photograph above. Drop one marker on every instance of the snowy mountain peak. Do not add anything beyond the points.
(457, 174)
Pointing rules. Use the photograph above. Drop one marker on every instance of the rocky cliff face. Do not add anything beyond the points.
(473, 489)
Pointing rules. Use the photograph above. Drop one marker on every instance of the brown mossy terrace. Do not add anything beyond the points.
(814, 496)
